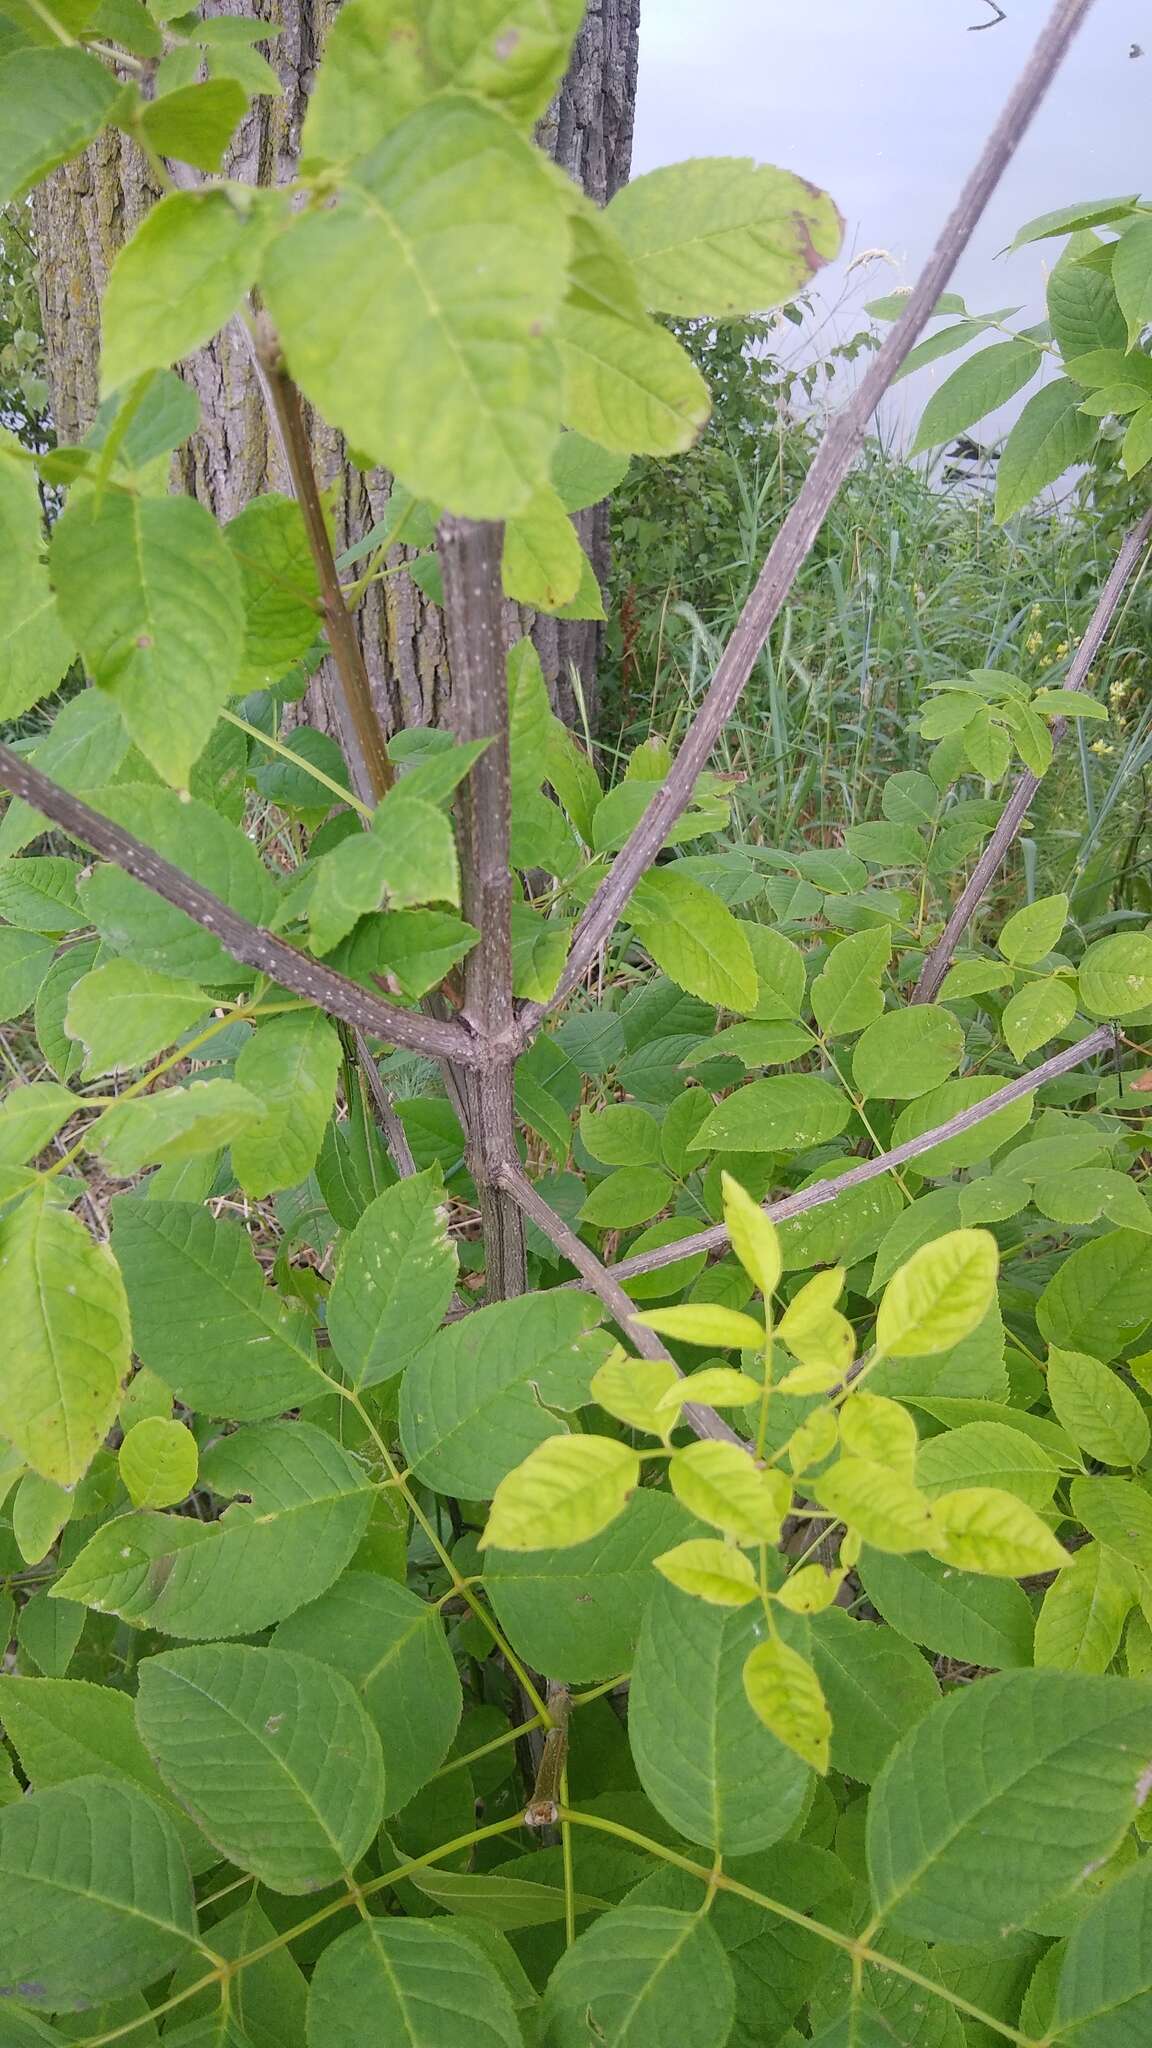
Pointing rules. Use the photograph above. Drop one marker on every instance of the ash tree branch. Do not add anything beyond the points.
(1100, 1040)
(470, 555)
(603, 1282)
(939, 959)
(794, 542)
(348, 659)
(249, 943)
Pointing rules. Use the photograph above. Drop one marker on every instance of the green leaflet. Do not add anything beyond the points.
(153, 596)
(641, 1975)
(66, 1728)
(57, 102)
(1084, 1610)
(1116, 975)
(195, 122)
(958, 1855)
(979, 386)
(1100, 1298)
(876, 1685)
(391, 1646)
(63, 1306)
(485, 1391)
(1104, 1991)
(789, 1113)
(174, 1124)
(694, 938)
(35, 651)
(269, 1998)
(952, 1613)
(133, 921)
(723, 235)
(398, 339)
(30, 1116)
(709, 1765)
(306, 1506)
(408, 857)
(178, 279)
(289, 1066)
(393, 1283)
(907, 1052)
(410, 1982)
(272, 1755)
(279, 586)
(627, 383)
(577, 1613)
(95, 1896)
(123, 1013)
(25, 959)
(202, 1317)
(1049, 436)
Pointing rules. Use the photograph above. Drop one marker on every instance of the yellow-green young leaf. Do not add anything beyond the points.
(152, 593)
(693, 936)
(542, 557)
(938, 1296)
(290, 1066)
(1082, 1618)
(720, 1484)
(34, 649)
(810, 1379)
(627, 383)
(784, 1691)
(1116, 975)
(704, 1323)
(1100, 1413)
(723, 235)
(179, 278)
(814, 1441)
(631, 1389)
(815, 1331)
(1036, 1013)
(713, 1571)
(809, 1590)
(883, 1506)
(55, 103)
(122, 1013)
(444, 370)
(66, 1343)
(1032, 932)
(981, 1529)
(158, 1463)
(565, 1492)
(873, 1427)
(752, 1236)
(717, 1386)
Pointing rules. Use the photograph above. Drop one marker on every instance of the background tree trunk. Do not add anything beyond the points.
(84, 213)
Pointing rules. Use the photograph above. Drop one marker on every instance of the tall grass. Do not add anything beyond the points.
(911, 582)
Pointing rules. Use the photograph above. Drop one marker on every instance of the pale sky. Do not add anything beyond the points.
(886, 103)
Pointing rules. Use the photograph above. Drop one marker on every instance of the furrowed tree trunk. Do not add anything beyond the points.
(87, 210)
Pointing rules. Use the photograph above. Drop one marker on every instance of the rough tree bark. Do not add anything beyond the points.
(88, 209)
